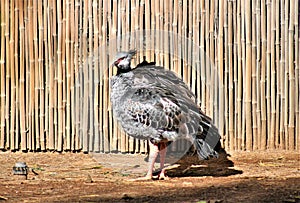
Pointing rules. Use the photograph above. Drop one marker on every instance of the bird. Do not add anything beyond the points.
(152, 103)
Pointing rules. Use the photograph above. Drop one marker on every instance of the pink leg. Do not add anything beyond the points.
(162, 153)
(152, 157)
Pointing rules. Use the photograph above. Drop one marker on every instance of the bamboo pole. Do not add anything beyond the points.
(7, 80)
(286, 73)
(226, 75)
(235, 76)
(12, 66)
(116, 130)
(59, 145)
(105, 82)
(282, 82)
(297, 74)
(46, 62)
(55, 74)
(270, 79)
(278, 76)
(211, 52)
(63, 76)
(85, 71)
(76, 99)
(73, 30)
(51, 139)
(22, 107)
(231, 115)
(240, 77)
(40, 78)
(96, 146)
(254, 76)
(263, 76)
(91, 77)
(221, 68)
(248, 77)
(2, 76)
(30, 76)
(35, 77)
(68, 85)
(16, 61)
(291, 123)
(101, 110)
(258, 73)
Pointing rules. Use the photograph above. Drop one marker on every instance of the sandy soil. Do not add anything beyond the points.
(272, 176)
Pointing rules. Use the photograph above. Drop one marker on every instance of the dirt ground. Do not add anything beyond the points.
(272, 176)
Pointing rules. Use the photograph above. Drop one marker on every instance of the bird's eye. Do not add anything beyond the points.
(119, 60)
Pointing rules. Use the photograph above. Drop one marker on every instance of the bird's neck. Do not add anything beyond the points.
(123, 70)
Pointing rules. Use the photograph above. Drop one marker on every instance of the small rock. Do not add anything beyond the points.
(126, 197)
(89, 179)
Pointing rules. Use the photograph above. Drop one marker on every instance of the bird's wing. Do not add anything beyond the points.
(158, 108)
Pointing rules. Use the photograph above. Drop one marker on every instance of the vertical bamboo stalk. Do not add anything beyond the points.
(63, 76)
(282, 78)
(211, 56)
(221, 68)
(231, 116)
(40, 76)
(73, 30)
(248, 77)
(254, 76)
(77, 92)
(105, 82)
(91, 77)
(55, 74)
(286, 74)
(22, 78)
(113, 33)
(291, 125)
(68, 49)
(226, 73)
(68, 77)
(272, 74)
(199, 38)
(59, 78)
(263, 78)
(11, 51)
(277, 70)
(46, 61)
(297, 74)
(96, 78)
(51, 139)
(2, 76)
(101, 66)
(31, 76)
(258, 73)
(240, 77)
(36, 124)
(7, 79)
(86, 87)
(16, 59)
(235, 72)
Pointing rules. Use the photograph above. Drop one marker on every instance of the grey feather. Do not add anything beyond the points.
(153, 103)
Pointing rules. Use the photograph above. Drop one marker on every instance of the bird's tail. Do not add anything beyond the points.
(208, 142)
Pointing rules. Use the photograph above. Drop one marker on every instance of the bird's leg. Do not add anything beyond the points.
(162, 154)
(152, 157)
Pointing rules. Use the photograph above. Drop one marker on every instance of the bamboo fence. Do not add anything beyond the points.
(240, 58)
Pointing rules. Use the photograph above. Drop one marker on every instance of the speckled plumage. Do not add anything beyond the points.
(153, 103)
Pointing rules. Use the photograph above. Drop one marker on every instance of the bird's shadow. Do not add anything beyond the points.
(191, 166)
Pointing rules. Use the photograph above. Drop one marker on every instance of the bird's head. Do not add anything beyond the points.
(123, 59)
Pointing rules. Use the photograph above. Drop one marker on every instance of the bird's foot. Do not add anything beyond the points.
(163, 176)
(145, 178)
